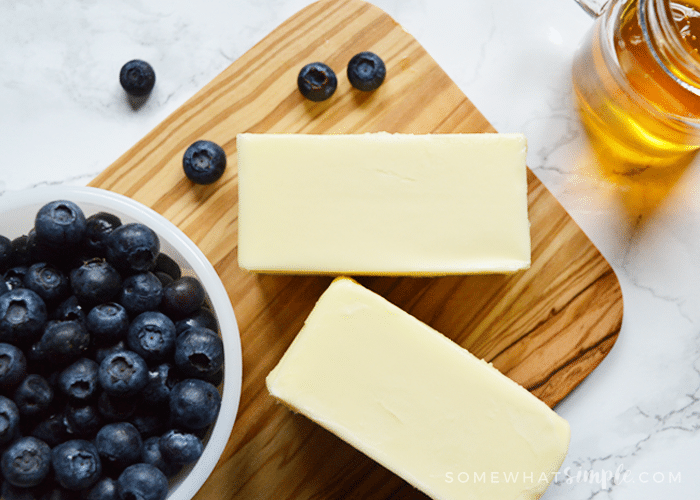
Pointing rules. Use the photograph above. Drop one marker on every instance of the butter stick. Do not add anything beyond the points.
(383, 204)
(405, 395)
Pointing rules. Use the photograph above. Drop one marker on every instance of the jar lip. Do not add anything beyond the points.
(656, 22)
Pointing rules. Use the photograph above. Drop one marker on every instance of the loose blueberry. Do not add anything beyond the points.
(102, 352)
(149, 422)
(14, 277)
(141, 292)
(68, 310)
(60, 224)
(95, 282)
(183, 297)
(9, 420)
(48, 282)
(152, 455)
(142, 482)
(137, 78)
(33, 396)
(166, 264)
(204, 162)
(104, 489)
(61, 343)
(117, 408)
(199, 353)
(79, 380)
(202, 318)
(76, 464)
(179, 447)
(26, 462)
(82, 420)
(123, 373)
(22, 316)
(53, 430)
(161, 381)
(366, 71)
(317, 81)
(107, 323)
(13, 366)
(194, 404)
(152, 336)
(133, 248)
(98, 228)
(119, 445)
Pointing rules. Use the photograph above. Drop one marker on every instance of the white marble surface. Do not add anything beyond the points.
(63, 118)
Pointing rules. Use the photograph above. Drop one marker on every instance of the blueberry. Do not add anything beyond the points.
(137, 78)
(141, 292)
(123, 373)
(116, 408)
(14, 277)
(149, 422)
(33, 396)
(21, 255)
(79, 380)
(22, 316)
(182, 297)
(161, 381)
(152, 336)
(199, 353)
(107, 323)
(98, 228)
(95, 282)
(317, 81)
(179, 447)
(202, 318)
(104, 489)
(76, 464)
(366, 71)
(13, 365)
(152, 455)
(194, 404)
(53, 430)
(5, 253)
(166, 264)
(82, 420)
(142, 482)
(69, 309)
(102, 352)
(26, 462)
(119, 445)
(204, 162)
(133, 248)
(61, 343)
(60, 224)
(9, 420)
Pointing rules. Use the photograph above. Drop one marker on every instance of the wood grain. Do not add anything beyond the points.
(547, 327)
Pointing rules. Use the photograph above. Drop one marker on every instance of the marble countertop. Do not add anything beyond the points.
(636, 418)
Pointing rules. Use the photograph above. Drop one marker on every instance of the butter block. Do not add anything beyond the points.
(419, 404)
(383, 204)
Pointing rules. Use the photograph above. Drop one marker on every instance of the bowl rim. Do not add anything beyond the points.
(233, 372)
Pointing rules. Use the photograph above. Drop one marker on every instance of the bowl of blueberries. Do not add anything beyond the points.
(120, 357)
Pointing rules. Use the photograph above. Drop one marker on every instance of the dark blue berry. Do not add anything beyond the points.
(133, 248)
(14, 277)
(104, 489)
(95, 282)
(22, 316)
(149, 421)
(141, 292)
(5, 253)
(317, 81)
(79, 380)
(204, 162)
(26, 462)
(82, 420)
(107, 323)
(119, 445)
(117, 408)
(61, 343)
(199, 353)
(137, 78)
(9, 420)
(167, 265)
(203, 318)
(161, 381)
(183, 297)
(48, 282)
(152, 336)
(152, 455)
(60, 224)
(13, 366)
(68, 310)
(33, 396)
(76, 464)
(194, 404)
(366, 71)
(180, 447)
(53, 430)
(102, 352)
(142, 482)
(123, 373)
(98, 228)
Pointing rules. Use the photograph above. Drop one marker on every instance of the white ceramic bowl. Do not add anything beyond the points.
(17, 212)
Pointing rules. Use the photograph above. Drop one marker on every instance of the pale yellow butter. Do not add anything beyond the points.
(419, 404)
(395, 204)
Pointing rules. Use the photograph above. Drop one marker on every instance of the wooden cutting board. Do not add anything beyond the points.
(547, 328)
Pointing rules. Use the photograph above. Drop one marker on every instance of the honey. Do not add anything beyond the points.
(637, 82)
